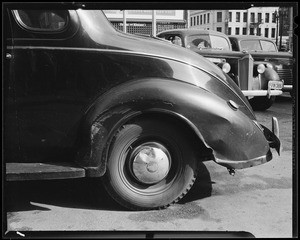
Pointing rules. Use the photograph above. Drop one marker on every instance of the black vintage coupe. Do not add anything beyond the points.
(82, 99)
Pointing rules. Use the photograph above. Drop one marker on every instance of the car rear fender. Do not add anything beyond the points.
(218, 125)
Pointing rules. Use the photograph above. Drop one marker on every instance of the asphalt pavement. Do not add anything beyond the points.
(256, 201)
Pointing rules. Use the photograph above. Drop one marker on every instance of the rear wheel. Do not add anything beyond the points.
(151, 164)
(262, 103)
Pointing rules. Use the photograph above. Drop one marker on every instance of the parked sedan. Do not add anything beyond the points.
(264, 49)
(82, 99)
(258, 81)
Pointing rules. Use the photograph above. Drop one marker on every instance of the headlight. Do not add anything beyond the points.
(225, 67)
(261, 68)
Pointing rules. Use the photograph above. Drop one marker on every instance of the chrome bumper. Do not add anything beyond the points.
(273, 136)
(274, 89)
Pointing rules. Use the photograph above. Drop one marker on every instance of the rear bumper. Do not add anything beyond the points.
(273, 139)
(287, 88)
(274, 89)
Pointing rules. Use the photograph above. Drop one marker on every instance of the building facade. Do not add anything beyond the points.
(140, 21)
(261, 21)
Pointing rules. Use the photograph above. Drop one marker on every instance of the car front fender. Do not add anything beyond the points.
(219, 124)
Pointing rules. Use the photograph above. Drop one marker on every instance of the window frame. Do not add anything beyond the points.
(20, 22)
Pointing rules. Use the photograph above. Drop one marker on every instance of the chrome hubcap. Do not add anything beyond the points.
(151, 162)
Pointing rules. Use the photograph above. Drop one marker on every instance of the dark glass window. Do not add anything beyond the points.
(273, 33)
(259, 18)
(244, 31)
(245, 15)
(219, 16)
(219, 29)
(230, 16)
(237, 31)
(258, 31)
(266, 32)
(238, 17)
(42, 20)
(252, 17)
(273, 17)
(267, 17)
(208, 18)
(251, 31)
(229, 31)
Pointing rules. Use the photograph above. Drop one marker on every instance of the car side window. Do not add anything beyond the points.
(42, 20)
(234, 45)
(268, 46)
(219, 43)
(250, 45)
(175, 40)
(198, 41)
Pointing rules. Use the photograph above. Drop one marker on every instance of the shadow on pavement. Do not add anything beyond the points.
(202, 187)
(70, 193)
(80, 193)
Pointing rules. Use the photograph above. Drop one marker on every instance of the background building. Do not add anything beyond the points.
(140, 21)
(270, 22)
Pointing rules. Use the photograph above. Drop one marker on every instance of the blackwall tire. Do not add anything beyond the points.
(151, 165)
(261, 103)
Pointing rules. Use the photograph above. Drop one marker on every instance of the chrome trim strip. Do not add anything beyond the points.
(244, 163)
(261, 92)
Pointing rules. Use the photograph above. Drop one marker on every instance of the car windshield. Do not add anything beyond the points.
(258, 45)
(207, 41)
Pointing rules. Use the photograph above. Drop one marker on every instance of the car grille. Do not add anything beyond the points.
(286, 75)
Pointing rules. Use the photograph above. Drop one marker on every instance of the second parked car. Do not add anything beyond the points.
(264, 49)
(257, 79)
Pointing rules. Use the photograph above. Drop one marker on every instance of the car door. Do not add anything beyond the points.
(10, 123)
(48, 105)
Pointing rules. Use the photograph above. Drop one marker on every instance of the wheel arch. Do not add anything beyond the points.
(99, 150)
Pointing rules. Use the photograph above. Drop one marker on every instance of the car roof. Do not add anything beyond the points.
(192, 31)
(249, 37)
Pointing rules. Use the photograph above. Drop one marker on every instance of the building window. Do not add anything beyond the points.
(258, 32)
(191, 21)
(267, 17)
(194, 21)
(259, 18)
(219, 29)
(201, 19)
(244, 31)
(266, 32)
(245, 15)
(273, 33)
(229, 31)
(219, 16)
(204, 19)
(208, 18)
(251, 31)
(197, 20)
(237, 16)
(230, 16)
(273, 18)
(237, 31)
(252, 17)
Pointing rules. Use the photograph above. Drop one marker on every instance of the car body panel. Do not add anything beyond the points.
(72, 89)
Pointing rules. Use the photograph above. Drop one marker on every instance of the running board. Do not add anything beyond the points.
(42, 171)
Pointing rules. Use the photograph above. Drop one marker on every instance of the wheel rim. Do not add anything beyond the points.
(150, 163)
